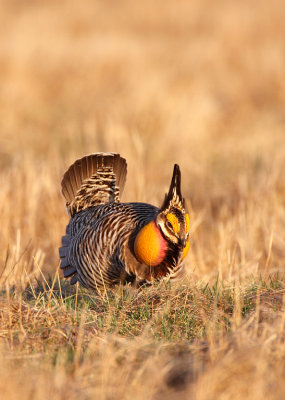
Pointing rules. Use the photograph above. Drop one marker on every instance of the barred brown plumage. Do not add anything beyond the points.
(107, 241)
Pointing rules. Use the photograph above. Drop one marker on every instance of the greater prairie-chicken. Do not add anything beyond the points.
(106, 241)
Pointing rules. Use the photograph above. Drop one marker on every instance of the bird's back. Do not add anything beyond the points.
(97, 247)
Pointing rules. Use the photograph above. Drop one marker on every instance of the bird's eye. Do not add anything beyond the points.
(174, 224)
(169, 225)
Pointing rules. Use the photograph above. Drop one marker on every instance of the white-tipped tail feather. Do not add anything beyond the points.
(98, 178)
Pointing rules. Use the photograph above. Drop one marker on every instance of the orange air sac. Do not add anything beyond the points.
(150, 246)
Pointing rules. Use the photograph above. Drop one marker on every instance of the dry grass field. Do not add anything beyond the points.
(198, 83)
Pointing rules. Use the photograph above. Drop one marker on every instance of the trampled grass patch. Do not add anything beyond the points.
(161, 312)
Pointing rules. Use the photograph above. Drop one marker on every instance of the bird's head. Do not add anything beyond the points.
(167, 237)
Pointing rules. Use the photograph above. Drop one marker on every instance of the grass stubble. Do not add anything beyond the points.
(159, 84)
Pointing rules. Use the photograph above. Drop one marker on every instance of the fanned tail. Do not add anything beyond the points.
(94, 179)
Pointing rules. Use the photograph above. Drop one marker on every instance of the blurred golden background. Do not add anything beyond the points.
(196, 83)
(200, 83)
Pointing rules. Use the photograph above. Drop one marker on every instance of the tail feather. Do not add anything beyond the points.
(94, 179)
